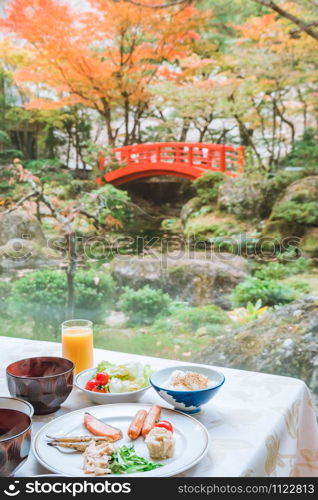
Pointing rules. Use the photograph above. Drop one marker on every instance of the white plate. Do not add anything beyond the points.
(191, 439)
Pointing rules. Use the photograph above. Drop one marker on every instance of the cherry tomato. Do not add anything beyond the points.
(99, 389)
(90, 385)
(165, 424)
(102, 378)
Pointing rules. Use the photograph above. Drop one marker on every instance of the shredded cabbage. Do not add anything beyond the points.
(125, 378)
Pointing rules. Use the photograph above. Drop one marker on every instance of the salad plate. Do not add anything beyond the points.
(125, 383)
(191, 440)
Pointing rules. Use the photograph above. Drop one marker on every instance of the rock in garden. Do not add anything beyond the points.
(276, 343)
(22, 242)
(294, 211)
(244, 197)
(302, 190)
(20, 224)
(198, 278)
(188, 208)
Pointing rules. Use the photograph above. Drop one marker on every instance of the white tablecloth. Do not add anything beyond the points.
(259, 425)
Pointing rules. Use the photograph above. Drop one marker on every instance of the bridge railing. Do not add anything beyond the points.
(214, 157)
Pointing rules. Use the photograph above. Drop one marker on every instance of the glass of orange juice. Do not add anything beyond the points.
(77, 343)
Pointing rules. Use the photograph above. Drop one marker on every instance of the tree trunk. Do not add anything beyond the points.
(185, 129)
(108, 119)
(38, 210)
(70, 274)
(126, 113)
(246, 139)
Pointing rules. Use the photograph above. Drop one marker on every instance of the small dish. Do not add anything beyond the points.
(187, 401)
(45, 382)
(15, 440)
(107, 397)
(17, 404)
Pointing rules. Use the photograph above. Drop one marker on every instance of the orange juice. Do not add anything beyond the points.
(77, 343)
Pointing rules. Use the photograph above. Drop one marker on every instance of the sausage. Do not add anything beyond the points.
(137, 422)
(150, 420)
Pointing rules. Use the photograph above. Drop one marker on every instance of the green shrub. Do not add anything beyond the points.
(50, 171)
(281, 180)
(110, 201)
(193, 318)
(9, 154)
(144, 305)
(297, 211)
(5, 291)
(94, 294)
(305, 150)
(199, 316)
(278, 270)
(207, 186)
(189, 319)
(269, 291)
(77, 187)
(39, 166)
(42, 295)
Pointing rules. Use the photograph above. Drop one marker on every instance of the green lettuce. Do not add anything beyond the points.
(127, 377)
(125, 461)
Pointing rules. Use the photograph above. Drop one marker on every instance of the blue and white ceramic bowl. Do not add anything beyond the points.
(187, 401)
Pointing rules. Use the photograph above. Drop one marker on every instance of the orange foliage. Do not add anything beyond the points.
(273, 33)
(103, 57)
(113, 223)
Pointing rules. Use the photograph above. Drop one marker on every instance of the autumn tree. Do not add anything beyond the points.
(276, 76)
(104, 57)
(194, 103)
(51, 128)
(260, 89)
(305, 17)
(302, 14)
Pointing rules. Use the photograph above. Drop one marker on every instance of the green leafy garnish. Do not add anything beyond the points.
(125, 461)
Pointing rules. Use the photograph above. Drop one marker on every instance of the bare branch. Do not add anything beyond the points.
(20, 202)
(302, 25)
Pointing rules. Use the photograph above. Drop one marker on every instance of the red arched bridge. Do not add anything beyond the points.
(181, 159)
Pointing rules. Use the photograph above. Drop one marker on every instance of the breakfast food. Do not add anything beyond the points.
(76, 443)
(187, 381)
(165, 425)
(126, 461)
(97, 457)
(99, 428)
(115, 379)
(151, 419)
(101, 456)
(160, 443)
(136, 425)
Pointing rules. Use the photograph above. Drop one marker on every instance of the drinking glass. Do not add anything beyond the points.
(77, 343)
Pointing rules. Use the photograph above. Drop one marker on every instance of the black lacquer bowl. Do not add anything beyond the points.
(15, 440)
(45, 382)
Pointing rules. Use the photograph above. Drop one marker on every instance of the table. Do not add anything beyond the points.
(259, 425)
